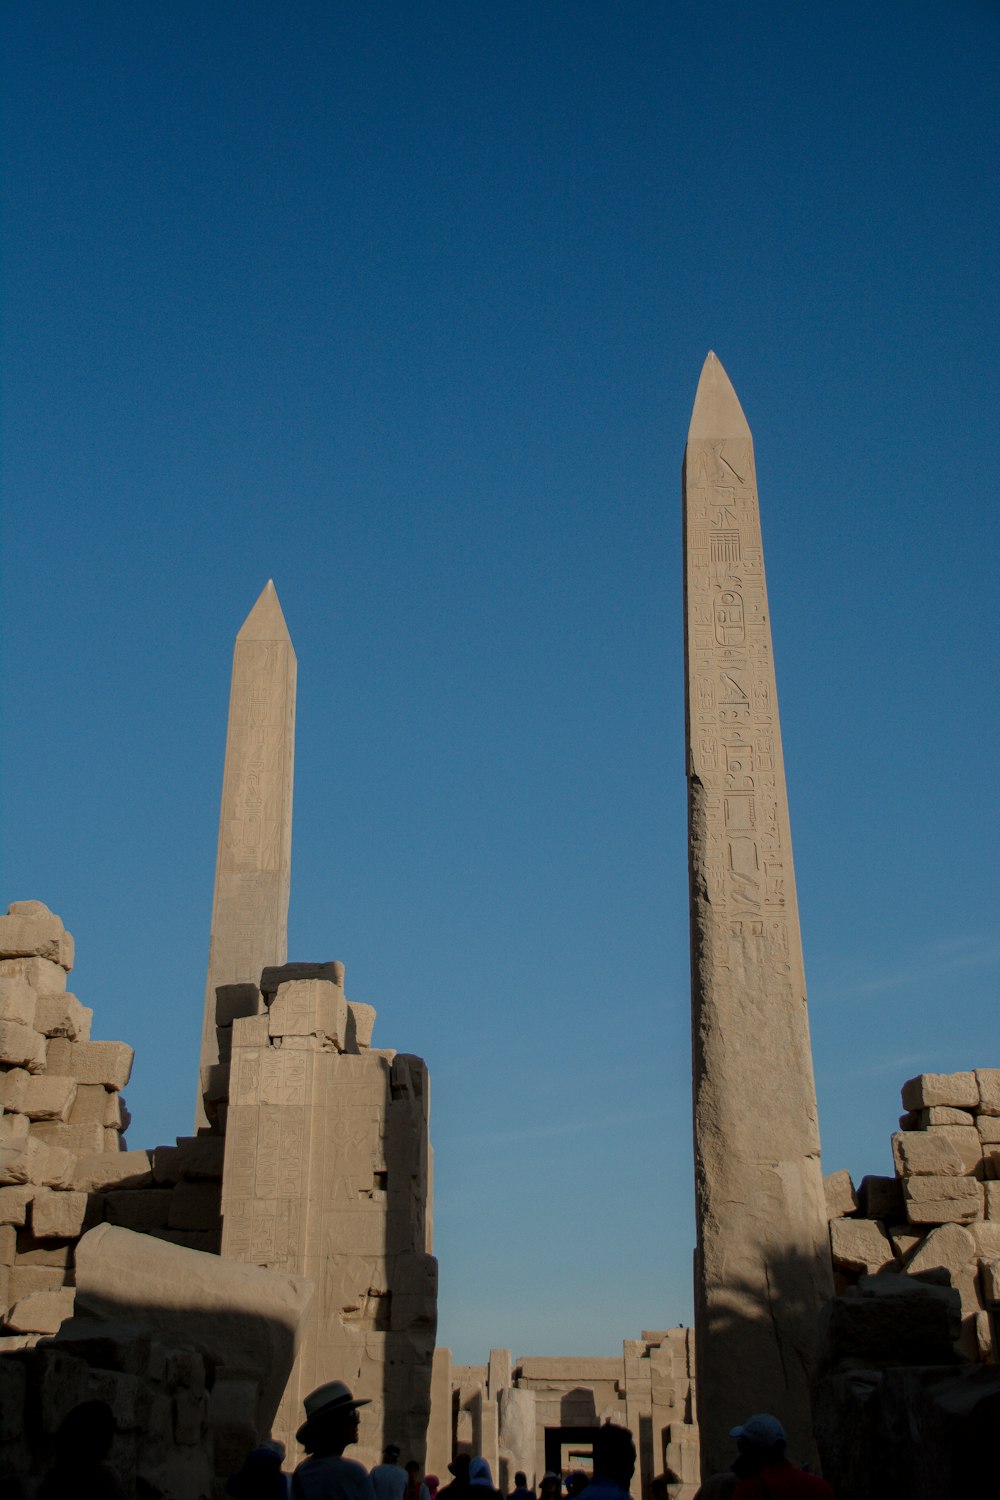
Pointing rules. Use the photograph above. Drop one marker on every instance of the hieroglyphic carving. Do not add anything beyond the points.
(759, 1189)
(253, 866)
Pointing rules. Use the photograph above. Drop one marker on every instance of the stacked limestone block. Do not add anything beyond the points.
(938, 1218)
(328, 1175)
(61, 1133)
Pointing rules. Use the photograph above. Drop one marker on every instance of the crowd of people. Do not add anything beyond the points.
(760, 1468)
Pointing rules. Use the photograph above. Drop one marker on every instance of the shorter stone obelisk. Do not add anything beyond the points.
(763, 1261)
(253, 867)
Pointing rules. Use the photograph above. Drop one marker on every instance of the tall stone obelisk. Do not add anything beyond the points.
(253, 867)
(763, 1263)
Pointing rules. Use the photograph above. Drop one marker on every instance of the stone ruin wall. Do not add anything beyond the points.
(328, 1175)
(938, 1217)
(505, 1408)
(344, 1176)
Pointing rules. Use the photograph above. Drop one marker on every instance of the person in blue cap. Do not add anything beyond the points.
(762, 1469)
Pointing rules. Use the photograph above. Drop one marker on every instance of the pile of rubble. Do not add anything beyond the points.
(938, 1219)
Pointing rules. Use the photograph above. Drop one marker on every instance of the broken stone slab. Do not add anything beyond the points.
(943, 1200)
(21, 1046)
(41, 1312)
(987, 1238)
(116, 1113)
(36, 1163)
(906, 1239)
(47, 1096)
(950, 1248)
(107, 1063)
(233, 1314)
(991, 1202)
(946, 1151)
(43, 976)
(14, 1131)
(17, 1000)
(989, 1129)
(36, 936)
(14, 1203)
(276, 975)
(958, 1090)
(840, 1196)
(234, 1000)
(943, 1114)
(988, 1082)
(989, 1280)
(60, 1215)
(107, 1170)
(309, 1007)
(882, 1198)
(860, 1245)
(63, 1015)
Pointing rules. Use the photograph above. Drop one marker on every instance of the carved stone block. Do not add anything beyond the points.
(946, 1151)
(36, 937)
(17, 1000)
(958, 1090)
(943, 1200)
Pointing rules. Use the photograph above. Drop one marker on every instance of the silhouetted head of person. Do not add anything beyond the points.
(520, 1480)
(550, 1487)
(86, 1433)
(413, 1469)
(459, 1466)
(614, 1454)
(761, 1441)
(390, 1453)
(576, 1481)
(332, 1420)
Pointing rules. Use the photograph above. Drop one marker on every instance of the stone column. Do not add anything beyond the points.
(253, 867)
(763, 1263)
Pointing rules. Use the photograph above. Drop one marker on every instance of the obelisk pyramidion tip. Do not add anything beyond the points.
(265, 622)
(717, 412)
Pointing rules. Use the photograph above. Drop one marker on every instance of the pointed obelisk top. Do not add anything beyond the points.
(717, 411)
(265, 622)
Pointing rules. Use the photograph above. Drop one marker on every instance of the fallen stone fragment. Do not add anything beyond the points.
(839, 1192)
(17, 1000)
(21, 1047)
(41, 1312)
(859, 1245)
(239, 1316)
(47, 1097)
(988, 1081)
(63, 1015)
(43, 976)
(943, 1114)
(36, 937)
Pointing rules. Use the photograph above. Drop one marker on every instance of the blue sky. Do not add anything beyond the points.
(404, 306)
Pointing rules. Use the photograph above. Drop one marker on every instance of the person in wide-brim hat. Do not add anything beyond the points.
(324, 1404)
